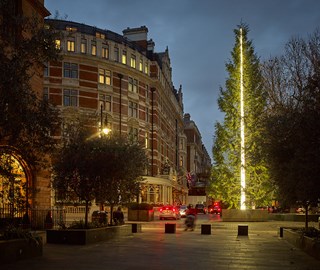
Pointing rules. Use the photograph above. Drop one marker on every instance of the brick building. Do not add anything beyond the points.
(120, 82)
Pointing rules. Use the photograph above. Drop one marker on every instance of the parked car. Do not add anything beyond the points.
(183, 210)
(169, 212)
(215, 208)
(200, 208)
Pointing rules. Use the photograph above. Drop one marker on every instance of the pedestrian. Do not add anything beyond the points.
(118, 217)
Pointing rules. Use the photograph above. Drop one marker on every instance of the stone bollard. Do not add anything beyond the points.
(136, 228)
(281, 231)
(205, 228)
(242, 230)
(170, 228)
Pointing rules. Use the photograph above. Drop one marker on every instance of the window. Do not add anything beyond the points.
(104, 76)
(105, 51)
(58, 44)
(132, 85)
(46, 93)
(116, 54)
(70, 45)
(45, 69)
(70, 97)
(140, 65)
(133, 61)
(83, 47)
(71, 29)
(93, 48)
(147, 140)
(133, 109)
(70, 70)
(100, 35)
(133, 133)
(181, 161)
(105, 101)
(146, 69)
(147, 114)
(124, 57)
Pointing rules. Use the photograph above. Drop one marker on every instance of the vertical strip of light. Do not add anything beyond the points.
(243, 171)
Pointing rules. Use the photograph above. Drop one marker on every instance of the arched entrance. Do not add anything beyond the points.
(15, 183)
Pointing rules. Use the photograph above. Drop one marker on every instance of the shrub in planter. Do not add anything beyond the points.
(140, 212)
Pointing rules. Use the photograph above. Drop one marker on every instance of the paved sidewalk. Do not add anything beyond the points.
(153, 249)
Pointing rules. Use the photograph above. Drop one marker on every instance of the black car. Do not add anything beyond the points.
(200, 208)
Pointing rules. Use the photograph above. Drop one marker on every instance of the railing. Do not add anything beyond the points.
(12, 216)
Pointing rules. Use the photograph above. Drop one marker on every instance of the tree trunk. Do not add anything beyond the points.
(86, 215)
(306, 215)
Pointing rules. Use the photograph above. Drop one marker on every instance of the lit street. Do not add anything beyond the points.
(154, 249)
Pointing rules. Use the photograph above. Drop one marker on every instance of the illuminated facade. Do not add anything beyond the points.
(119, 82)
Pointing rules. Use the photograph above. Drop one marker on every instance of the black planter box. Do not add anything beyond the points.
(205, 228)
(87, 236)
(170, 228)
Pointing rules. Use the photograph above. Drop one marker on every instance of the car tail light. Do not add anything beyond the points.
(161, 209)
(174, 209)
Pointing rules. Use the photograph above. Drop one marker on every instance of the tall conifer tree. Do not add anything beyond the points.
(226, 150)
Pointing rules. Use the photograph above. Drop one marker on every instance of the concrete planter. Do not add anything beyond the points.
(307, 244)
(19, 249)
(140, 215)
(244, 215)
(87, 236)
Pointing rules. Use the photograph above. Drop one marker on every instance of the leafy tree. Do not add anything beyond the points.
(105, 169)
(292, 120)
(226, 151)
(26, 120)
(120, 163)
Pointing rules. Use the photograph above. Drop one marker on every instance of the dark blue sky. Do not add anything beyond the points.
(199, 35)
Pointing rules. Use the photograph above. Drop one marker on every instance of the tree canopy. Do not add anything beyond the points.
(27, 120)
(292, 120)
(106, 169)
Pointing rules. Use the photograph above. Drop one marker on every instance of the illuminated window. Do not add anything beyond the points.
(133, 61)
(70, 45)
(83, 47)
(70, 70)
(71, 29)
(181, 161)
(140, 65)
(100, 35)
(124, 57)
(146, 69)
(58, 44)
(104, 76)
(147, 140)
(132, 85)
(133, 109)
(70, 97)
(105, 51)
(105, 101)
(116, 54)
(93, 48)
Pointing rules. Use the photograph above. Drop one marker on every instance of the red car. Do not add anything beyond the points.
(215, 209)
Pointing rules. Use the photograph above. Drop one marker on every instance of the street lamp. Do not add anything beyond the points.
(103, 130)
